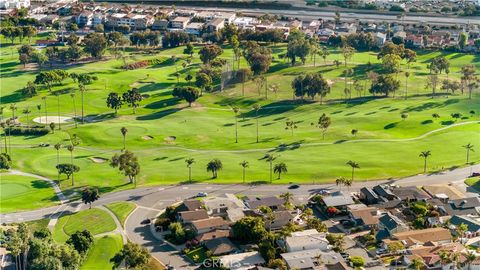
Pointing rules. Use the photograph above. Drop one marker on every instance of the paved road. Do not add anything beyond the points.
(151, 200)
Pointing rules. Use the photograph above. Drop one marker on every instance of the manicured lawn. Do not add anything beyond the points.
(473, 182)
(94, 220)
(197, 254)
(121, 210)
(164, 131)
(36, 225)
(102, 251)
(20, 193)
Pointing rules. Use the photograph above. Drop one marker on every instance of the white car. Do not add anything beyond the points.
(201, 194)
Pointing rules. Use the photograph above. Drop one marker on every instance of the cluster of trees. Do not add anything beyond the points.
(39, 251)
(188, 93)
(150, 38)
(310, 85)
(258, 57)
(132, 97)
(175, 39)
(20, 32)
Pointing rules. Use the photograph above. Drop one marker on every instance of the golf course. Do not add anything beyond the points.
(164, 131)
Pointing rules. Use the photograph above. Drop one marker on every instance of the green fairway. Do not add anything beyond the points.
(20, 193)
(121, 210)
(104, 249)
(94, 220)
(165, 131)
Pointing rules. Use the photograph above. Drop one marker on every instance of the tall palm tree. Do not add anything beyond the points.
(470, 256)
(214, 166)
(124, 131)
(44, 98)
(340, 181)
(4, 127)
(27, 112)
(257, 108)
(72, 95)
(280, 168)
(1, 113)
(287, 199)
(70, 148)
(13, 108)
(244, 165)
(58, 109)
(9, 125)
(354, 166)
(270, 159)
(468, 147)
(348, 183)
(57, 147)
(235, 111)
(82, 92)
(407, 74)
(189, 162)
(425, 155)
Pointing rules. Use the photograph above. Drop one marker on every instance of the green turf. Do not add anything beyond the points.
(103, 249)
(385, 146)
(20, 193)
(121, 210)
(474, 182)
(94, 220)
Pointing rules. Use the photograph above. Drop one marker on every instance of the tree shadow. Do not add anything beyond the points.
(426, 122)
(391, 125)
(163, 103)
(40, 184)
(158, 115)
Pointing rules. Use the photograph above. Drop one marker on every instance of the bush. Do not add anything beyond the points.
(160, 61)
(5, 161)
(137, 65)
(162, 222)
(357, 261)
(20, 131)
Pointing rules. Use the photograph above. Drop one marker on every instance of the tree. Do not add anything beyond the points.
(124, 131)
(462, 40)
(340, 181)
(432, 82)
(357, 261)
(114, 101)
(244, 75)
(354, 166)
(435, 115)
(132, 97)
(52, 126)
(67, 169)
(189, 94)
(235, 110)
(95, 44)
(249, 229)
(209, 53)
(189, 49)
(280, 168)
(323, 52)
(89, 195)
(127, 163)
(347, 53)
(456, 116)
(57, 147)
(469, 78)
(203, 81)
(290, 125)
(407, 74)
(134, 255)
(259, 58)
(244, 165)
(469, 148)
(404, 116)
(214, 166)
(189, 162)
(27, 112)
(257, 108)
(324, 123)
(391, 63)
(337, 241)
(384, 84)
(29, 90)
(410, 56)
(425, 155)
(270, 158)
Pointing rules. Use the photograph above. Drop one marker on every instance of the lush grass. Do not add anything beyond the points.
(36, 225)
(474, 182)
(94, 220)
(207, 130)
(102, 251)
(197, 254)
(20, 193)
(121, 210)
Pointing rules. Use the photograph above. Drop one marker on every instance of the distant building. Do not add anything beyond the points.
(194, 28)
(179, 22)
(14, 4)
(304, 240)
(216, 25)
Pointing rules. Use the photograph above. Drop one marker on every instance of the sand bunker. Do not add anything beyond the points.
(53, 119)
(170, 139)
(98, 159)
(147, 137)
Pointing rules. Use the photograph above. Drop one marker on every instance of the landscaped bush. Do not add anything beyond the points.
(160, 61)
(21, 131)
(162, 222)
(136, 65)
(5, 161)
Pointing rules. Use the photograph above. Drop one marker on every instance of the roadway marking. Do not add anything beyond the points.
(184, 187)
(160, 189)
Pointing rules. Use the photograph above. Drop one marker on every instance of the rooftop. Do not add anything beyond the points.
(209, 223)
(425, 235)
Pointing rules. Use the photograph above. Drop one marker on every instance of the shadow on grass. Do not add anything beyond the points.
(158, 115)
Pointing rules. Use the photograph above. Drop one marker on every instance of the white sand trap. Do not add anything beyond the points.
(170, 139)
(98, 159)
(53, 119)
(147, 137)
(329, 82)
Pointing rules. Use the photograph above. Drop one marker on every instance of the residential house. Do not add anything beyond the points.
(339, 200)
(179, 22)
(280, 219)
(84, 19)
(307, 239)
(189, 216)
(430, 255)
(220, 246)
(368, 196)
(244, 22)
(194, 28)
(443, 191)
(98, 18)
(212, 235)
(472, 222)
(420, 237)
(410, 193)
(295, 25)
(240, 261)
(388, 225)
(216, 25)
(272, 202)
(466, 206)
(310, 259)
(385, 192)
(367, 217)
(14, 4)
(228, 17)
(209, 224)
(218, 206)
(415, 41)
(64, 11)
(160, 24)
(190, 205)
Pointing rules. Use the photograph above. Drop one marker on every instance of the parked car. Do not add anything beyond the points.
(294, 186)
(201, 194)
(145, 221)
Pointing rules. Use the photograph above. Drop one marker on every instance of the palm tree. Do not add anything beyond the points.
(354, 166)
(425, 155)
(444, 258)
(13, 107)
(9, 124)
(82, 92)
(468, 147)
(189, 162)
(74, 109)
(348, 183)
(214, 166)
(70, 148)
(280, 168)
(470, 257)
(4, 127)
(461, 230)
(287, 199)
(407, 74)
(416, 264)
(270, 159)
(57, 147)
(235, 111)
(244, 165)
(340, 181)
(124, 131)
(257, 108)
(44, 98)
(27, 112)
(58, 109)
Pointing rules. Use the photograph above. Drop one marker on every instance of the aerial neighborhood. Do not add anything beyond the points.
(243, 135)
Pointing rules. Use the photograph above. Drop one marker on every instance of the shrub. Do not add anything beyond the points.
(31, 131)
(162, 222)
(136, 65)
(5, 161)
(357, 261)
